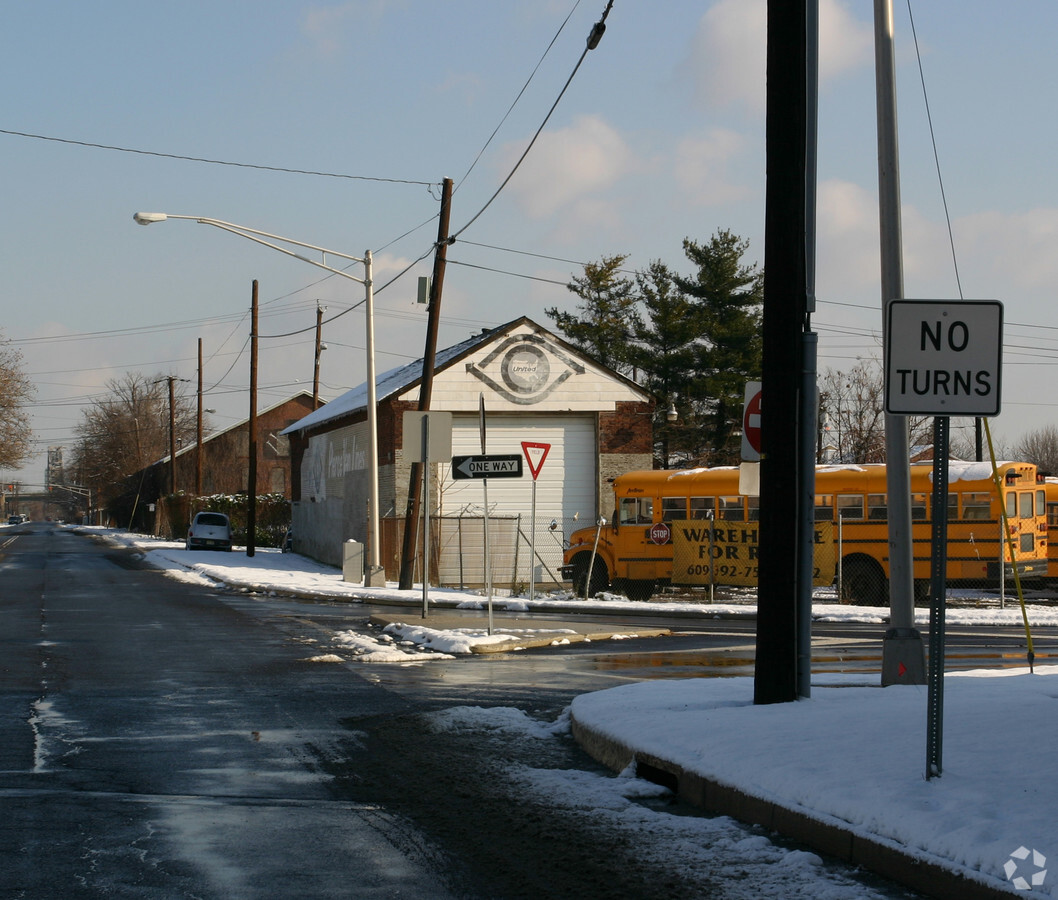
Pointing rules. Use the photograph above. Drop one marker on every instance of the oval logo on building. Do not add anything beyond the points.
(525, 369)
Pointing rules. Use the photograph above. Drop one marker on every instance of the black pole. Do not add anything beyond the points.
(785, 315)
(251, 487)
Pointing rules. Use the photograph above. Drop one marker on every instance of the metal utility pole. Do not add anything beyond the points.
(903, 656)
(407, 555)
(787, 246)
(251, 488)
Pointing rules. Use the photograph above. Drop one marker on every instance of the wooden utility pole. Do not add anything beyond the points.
(251, 488)
(172, 436)
(198, 428)
(316, 363)
(407, 555)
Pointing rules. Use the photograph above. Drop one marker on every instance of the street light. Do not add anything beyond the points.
(375, 574)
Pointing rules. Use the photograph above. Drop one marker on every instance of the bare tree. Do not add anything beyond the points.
(15, 391)
(1040, 447)
(852, 416)
(128, 430)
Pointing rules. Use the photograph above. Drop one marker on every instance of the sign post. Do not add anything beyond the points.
(942, 358)
(434, 429)
(485, 489)
(535, 454)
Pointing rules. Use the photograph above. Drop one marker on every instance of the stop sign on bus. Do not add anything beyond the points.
(660, 533)
(751, 412)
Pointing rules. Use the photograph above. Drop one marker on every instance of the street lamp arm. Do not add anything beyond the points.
(253, 234)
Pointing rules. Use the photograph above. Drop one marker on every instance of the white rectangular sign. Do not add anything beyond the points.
(440, 436)
(943, 357)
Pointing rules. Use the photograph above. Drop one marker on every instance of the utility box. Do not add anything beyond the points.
(353, 561)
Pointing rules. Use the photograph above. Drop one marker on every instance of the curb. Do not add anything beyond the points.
(831, 837)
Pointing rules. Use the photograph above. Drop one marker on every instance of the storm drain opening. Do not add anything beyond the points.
(657, 775)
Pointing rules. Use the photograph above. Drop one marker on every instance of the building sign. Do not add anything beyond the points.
(943, 358)
(705, 552)
(525, 368)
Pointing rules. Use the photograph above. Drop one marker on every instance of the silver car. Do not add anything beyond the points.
(209, 531)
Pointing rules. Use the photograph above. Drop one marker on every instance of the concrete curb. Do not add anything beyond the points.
(528, 632)
(829, 836)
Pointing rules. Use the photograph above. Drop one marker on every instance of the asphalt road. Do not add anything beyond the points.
(163, 740)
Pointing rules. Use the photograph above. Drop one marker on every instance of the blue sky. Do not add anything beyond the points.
(659, 137)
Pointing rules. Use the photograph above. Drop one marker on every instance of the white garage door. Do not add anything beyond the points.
(565, 486)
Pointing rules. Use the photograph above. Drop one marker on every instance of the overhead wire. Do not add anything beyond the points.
(213, 162)
(1007, 532)
(593, 41)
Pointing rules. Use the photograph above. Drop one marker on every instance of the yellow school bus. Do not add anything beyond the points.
(1050, 488)
(698, 517)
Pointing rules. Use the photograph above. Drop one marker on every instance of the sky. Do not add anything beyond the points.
(658, 137)
(852, 753)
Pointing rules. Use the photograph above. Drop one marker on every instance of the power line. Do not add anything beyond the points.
(212, 162)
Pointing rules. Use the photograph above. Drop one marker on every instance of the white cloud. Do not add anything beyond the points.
(847, 240)
(701, 168)
(570, 166)
(1015, 249)
(727, 62)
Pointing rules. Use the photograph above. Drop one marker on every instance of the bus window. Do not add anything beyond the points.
(731, 508)
(673, 508)
(876, 506)
(918, 506)
(824, 508)
(1012, 505)
(1026, 502)
(702, 507)
(1052, 513)
(850, 506)
(1041, 503)
(976, 505)
(637, 510)
(953, 506)
(753, 508)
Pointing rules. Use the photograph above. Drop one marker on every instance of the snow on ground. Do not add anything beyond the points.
(853, 753)
(271, 572)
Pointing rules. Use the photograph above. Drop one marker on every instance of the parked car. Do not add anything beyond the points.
(14, 520)
(209, 531)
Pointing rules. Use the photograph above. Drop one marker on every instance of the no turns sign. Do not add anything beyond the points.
(943, 357)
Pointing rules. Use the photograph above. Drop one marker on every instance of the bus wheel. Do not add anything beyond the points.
(862, 582)
(600, 579)
(639, 590)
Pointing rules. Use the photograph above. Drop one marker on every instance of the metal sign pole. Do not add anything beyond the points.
(935, 678)
(485, 487)
(532, 545)
(425, 514)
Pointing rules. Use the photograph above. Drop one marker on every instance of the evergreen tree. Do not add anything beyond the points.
(665, 355)
(727, 296)
(606, 319)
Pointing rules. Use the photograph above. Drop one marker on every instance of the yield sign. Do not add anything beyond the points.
(535, 454)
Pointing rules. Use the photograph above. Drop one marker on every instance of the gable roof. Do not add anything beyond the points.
(402, 378)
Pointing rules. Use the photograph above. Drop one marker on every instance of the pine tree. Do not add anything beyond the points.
(606, 319)
(727, 296)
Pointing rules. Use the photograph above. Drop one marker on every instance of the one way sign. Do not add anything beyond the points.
(495, 466)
